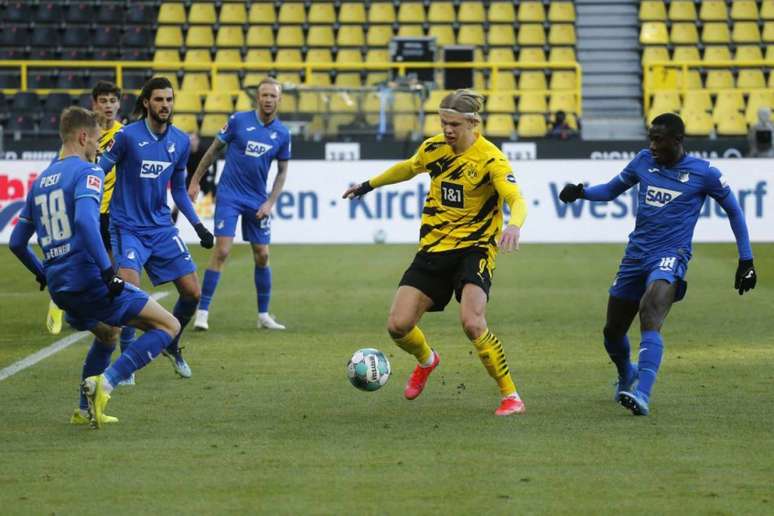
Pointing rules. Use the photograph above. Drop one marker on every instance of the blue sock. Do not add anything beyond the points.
(209, 284)
(262, 276)
(138, 355)
(619, 351)
(97, 360)
(127, 337)
(183, 311)
(651, 351)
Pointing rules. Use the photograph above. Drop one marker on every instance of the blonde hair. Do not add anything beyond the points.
(74, 118)
(270, 80)
(463, 102)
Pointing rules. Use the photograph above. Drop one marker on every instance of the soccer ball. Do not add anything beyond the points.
(368, 369)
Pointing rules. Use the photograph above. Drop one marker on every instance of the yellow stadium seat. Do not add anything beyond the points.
(665, 102)
(444, 35)
(561, 34)
(768, 32)
(471, 12)
(198, 56)
(561, 55)
(172, 76)
(563, 101)
(292, 12)
(682, 10)
(350, 36)
(744, 10)
(771, 80)
(531, 11)
(293, 78)
(441, 12)
(262, 14)
(228, 55)
(684, 34)
(758, 99)
(561, 12)
(433, 100)
(347, 80)
(697, 100)
(746, 32)
(289, 55)
(748, 53)
(471, 34)
(727, 101)
(319, 55)
(532, 126)
(381, 12)
(167, 56)
(502, 12)
(503, 81)
(258, 55)
(529, 55)
(319, 36)
(187, 102)
(654, 53)
(719, 79)
(432, 124)
(194, 81)
(500, 55)
(212, 123)
(244, 103)
(692, 80)
(529, 34)
(377, 55)
(231, 13)
(563, 80)
(532, 103)
(750, 79)
(379, 35)
(186, 123)
(352, 13)
(202, 13)
(260, 36)
(322, 79)
(500, 103)
(409, 30)
(713, 10)
(371, 106)
(532, 80)
(169, 36)
(218, 103)
(715, 32)
(172, 13)
(199, 36)
(654, 33)
(322, 12)
(230, 36)
(291, 35)
(686, 54)
(716, 53)
(499, 125)
(405, 125)
(226, 82)
(252, 79)
(346, 55)
(403, 102)
(411, 12)
(697, 123)
(732, 124)
(652, 11)
(309, 102)
(767, 10)
(373, 78)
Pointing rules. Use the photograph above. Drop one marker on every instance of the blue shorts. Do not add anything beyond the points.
(160, 251)
(635, 274)
(227, 211)
(84, 309)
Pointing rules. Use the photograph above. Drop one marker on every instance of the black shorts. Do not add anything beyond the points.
(437, 275)
(104, 230)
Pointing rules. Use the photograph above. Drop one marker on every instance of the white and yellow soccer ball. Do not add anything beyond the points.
(368, 369)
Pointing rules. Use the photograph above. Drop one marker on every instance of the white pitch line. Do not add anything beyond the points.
(54, 348)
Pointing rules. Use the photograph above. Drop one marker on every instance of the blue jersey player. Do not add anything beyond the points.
(62, 208)
(149, 154)
(672, 191)
(254, 139)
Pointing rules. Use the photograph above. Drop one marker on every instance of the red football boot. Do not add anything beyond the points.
(510, 405)
(418, 379)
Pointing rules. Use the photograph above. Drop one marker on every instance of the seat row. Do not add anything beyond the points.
(709, 10)
(686, 33)
(727, 103)
(58, 13)
(709, 54)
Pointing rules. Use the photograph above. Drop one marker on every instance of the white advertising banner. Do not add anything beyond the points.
(311, 210)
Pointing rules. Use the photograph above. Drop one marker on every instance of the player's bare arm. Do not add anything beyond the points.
(276, 189)
(207, 160)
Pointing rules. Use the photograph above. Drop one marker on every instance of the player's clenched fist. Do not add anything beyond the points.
(745, 278)
(571, 193)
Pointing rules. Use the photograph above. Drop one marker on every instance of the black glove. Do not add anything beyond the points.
(571, 193)
(745, 276)
(113, 282)
(41, 279)
(363, 189)
(205, 237)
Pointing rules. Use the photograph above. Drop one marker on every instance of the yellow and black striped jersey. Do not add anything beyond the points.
(110, 176)
(464, 207)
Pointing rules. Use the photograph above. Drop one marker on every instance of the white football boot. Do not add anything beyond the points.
(268, 322)
(201, 320)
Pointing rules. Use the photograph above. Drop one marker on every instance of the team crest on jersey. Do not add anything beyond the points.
(153, 169)
(684, 176)
(171, 148)
(110, 144)
(273, 135)
(660, 197)
(256, 149)
(511, 178)
(723, 181)
(94, 183)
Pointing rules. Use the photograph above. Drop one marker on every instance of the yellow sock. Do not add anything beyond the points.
(490, 351)
(414, 342)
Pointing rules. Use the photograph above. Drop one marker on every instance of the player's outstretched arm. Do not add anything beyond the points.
(276, 189)
(604, 192)
(505, 183)
(397, 173)
(745, 277)
(20, 237)
(183, 203)
(206, 162)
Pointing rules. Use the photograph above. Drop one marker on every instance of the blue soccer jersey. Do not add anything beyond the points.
(145, 164)
(251, 148)
(50, 208)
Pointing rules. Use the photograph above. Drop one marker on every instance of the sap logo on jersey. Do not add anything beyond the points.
(256, 149)
(153, 169)
(660, 197)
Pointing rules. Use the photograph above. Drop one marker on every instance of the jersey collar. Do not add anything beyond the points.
(153, 135)
(260, 122)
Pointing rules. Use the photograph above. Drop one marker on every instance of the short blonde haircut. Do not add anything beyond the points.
(74, 118)
(464, 102)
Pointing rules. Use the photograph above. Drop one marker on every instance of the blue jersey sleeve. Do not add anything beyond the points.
(716, 185)
(113, 152)
(717, 188)
(629, 174)
(90, 184)
(26, 212)
(179, 192)
(284, 150)
(227, 133)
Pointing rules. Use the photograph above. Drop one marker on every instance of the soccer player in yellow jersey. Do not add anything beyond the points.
(105, 99)
(461, 231)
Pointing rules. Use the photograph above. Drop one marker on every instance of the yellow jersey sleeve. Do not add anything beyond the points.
(402, 171)
(505, 183)
(110, 175)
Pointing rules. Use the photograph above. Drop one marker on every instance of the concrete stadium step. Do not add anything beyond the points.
(622, 67)
(632, 92)
(617, 55)
(608, 43)
(609, 20)
(614, 128)
(602, 11)
(608, 33)
(618, 104)
(610, 79)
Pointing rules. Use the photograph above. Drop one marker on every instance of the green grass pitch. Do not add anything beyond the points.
(269, 423)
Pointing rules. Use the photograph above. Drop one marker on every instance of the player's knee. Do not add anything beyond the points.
(398, 327)
(169, 325)
(473, 325)
(220, 256)
(613, 332)
(261, 258)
